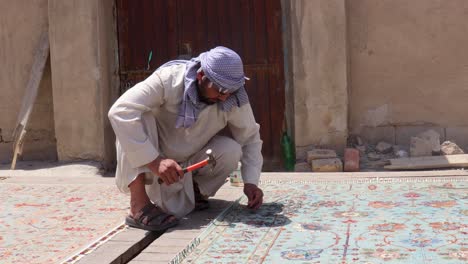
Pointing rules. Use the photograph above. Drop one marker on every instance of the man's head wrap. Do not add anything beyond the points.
(225, 69)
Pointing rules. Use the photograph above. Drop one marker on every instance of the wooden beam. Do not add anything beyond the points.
(430, 162)
(30, 95)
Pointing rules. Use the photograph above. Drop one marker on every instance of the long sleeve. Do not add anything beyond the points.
(246, 132)
(126, 119)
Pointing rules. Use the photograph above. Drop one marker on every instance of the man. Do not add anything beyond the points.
(168, 121)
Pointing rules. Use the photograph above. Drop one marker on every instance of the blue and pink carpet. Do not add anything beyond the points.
(393, 220)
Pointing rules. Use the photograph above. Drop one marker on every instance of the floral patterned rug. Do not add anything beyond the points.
(410, 220)
(52, 223)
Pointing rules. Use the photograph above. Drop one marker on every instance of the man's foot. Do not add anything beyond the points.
(201, 202)
(151, 218)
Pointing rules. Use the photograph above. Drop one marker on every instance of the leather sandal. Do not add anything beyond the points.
(151, 218)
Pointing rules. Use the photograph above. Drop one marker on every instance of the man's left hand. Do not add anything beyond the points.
(254, 194)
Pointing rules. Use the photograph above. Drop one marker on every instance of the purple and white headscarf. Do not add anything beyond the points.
(224, 68)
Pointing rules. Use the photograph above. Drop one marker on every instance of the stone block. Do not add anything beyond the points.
(458, 135)
(432, 138)
(420, 147)
(450, 148)
(374, 135)
(351, 159)
(301, 152)
(426, 143)
(327, 165)
(384, 147)
(403, 134)
(320, 154)
(302, 167)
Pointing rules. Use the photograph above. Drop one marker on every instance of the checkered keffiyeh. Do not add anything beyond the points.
(224, 68)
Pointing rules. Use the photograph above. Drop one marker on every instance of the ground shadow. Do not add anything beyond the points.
(269, 215)
(199, 219)
(230, 213)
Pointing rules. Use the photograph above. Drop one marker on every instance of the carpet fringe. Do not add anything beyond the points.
(92, 246)
(367, 180)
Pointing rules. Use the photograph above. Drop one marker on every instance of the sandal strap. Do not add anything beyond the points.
(147, 209)
(149, 213)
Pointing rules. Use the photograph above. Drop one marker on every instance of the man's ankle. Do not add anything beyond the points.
(136, 206)
(138, 196)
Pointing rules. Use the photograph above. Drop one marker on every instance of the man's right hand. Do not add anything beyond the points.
(167, 169)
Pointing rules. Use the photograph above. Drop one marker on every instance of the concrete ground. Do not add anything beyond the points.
(136, 246)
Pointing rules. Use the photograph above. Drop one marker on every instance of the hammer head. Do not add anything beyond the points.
(211, 158)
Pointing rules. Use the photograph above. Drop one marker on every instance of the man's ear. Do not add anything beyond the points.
(200, 75)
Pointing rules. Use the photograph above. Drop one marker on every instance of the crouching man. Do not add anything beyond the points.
(168, 121)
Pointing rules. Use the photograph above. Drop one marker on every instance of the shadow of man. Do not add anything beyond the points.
(268, 215)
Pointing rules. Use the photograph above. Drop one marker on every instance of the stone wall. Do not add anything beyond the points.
(69, 118)
(408, 69)
(82, 57)
(21, 25)
(319, 72)
(386, 70)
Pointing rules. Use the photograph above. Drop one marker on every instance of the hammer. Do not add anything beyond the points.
(210, 160)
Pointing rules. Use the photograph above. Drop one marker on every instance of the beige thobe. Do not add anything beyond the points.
(144, 119)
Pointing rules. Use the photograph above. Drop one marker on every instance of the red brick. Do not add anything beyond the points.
(351, 159)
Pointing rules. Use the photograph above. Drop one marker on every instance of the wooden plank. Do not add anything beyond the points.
(432, 162)
(172, 32)
(30, 95)
(212, 20)
(200, 36)
(187, 29)
(248, 36)
(259, 28)
(235, 17)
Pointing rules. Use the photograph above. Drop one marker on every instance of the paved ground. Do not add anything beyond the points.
(128, 244)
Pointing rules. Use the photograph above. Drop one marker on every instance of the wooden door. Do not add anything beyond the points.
(168, 29)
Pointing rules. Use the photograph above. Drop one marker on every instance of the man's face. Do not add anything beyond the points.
(209, 92)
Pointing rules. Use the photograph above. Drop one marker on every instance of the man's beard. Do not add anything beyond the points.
(203, 98)
(206, 100)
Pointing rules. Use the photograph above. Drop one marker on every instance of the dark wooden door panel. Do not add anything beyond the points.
(173, 29)
(145, 26)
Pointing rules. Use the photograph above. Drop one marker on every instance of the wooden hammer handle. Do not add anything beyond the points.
(193, 167)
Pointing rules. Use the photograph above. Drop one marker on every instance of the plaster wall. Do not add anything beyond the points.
(81, 36)
(408, 68)
(319, 72)
(21, 24)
